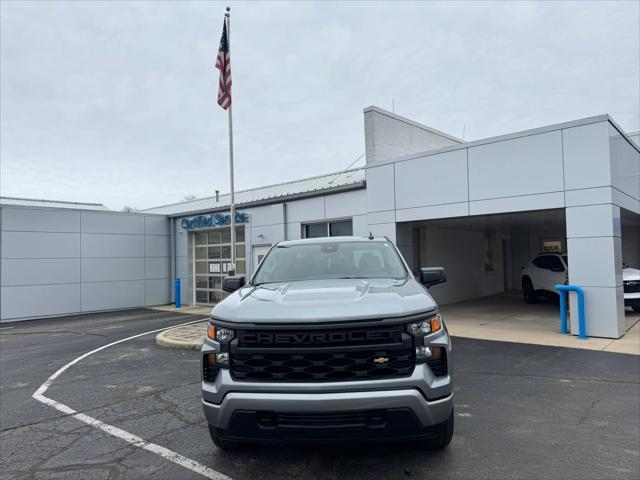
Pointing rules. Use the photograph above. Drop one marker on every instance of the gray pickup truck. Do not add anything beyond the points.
(332, 339)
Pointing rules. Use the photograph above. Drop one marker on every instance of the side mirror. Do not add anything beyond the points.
(432, 276)
(231, 284)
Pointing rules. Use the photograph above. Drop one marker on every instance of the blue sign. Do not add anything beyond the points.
(213, 220)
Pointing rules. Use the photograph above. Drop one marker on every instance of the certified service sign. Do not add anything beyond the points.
(213, 220)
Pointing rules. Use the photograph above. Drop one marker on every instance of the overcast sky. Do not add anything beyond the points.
(116, 102)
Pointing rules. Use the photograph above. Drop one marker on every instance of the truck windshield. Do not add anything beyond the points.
(330, 260)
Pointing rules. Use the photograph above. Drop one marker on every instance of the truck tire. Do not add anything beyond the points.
(220, 442)
(446, 434)
(528, 292)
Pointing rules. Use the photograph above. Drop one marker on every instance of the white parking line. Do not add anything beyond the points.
(117, 432)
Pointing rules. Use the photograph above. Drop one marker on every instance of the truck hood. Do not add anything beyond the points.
(630, 274)
(319, 301)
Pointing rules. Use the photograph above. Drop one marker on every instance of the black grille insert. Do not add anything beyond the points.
(388, 352)
(631, 287)
(369, 418)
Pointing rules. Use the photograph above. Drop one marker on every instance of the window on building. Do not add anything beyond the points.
(334, 228)
(342, 228)
(315, 230)
(212, 261)
(549, 246)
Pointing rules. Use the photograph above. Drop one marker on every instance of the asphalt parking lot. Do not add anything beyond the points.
(522, 411)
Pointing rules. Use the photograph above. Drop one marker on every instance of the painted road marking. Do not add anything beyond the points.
(117, 432)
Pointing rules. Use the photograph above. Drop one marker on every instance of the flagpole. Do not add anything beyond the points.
(232, 271)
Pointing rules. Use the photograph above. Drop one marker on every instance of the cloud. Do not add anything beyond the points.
(116, 102)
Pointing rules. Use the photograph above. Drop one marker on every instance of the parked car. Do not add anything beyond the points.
(546, 270)
(332, 339)
(542, 273)
(631, 287)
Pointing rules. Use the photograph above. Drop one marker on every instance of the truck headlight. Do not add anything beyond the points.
(426, 326)
(220, 334)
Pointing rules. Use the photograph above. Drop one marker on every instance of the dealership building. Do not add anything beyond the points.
(481, 209)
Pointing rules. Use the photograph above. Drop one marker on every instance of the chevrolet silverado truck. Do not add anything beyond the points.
(332, 339)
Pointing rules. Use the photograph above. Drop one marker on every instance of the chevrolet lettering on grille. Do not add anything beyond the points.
(303, 338)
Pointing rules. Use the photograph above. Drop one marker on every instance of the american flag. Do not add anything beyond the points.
(223, 63)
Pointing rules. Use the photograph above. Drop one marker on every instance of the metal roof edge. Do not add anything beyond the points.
(340, 172)
(108, 211)
(270, 201)
(66, 202)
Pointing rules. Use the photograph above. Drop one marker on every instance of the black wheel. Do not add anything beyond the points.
(528, 291)
(220, 442)
(636, 309)
(446, 434)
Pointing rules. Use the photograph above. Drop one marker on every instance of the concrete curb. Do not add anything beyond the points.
(188, 337)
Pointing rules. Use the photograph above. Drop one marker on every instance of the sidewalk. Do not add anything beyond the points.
(506, 318)
(190, 337)
(192, 310)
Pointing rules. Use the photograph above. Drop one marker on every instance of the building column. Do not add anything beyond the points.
(594, 245)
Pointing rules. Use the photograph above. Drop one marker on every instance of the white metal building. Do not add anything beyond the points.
(480, 209)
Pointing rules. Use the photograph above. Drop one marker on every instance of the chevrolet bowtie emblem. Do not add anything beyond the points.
(381, 360)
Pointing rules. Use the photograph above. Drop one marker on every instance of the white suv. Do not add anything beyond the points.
(546, 270)
(542, 273)
(631, 285)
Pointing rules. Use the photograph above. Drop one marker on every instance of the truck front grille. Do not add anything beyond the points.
(631, 287)
(294, 356)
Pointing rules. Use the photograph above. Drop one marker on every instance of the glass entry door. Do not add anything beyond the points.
(212, 261)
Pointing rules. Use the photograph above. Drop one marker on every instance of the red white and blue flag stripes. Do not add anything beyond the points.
(223, 63)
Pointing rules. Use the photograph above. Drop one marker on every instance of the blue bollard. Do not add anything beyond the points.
(582, 327)
(178, 302)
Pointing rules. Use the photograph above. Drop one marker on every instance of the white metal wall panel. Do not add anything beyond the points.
(156, 245)
(156, 225)
(523, 203)
(156, 267)
(112, 245)
(432, 180)
(345, 204)
(305, 210)
(593, 220)
(40, 300)
(46, 271)
(519, 166)
(432, 212)
(98, 222)
(380, 188)
(112, 269)
(40, 271)
(40, 244)
(40, 220)
(157, 291)
(586, 156)
(625, 164)
(110, 295)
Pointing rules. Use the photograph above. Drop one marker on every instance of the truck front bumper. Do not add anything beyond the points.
(632, 299)
(388, 414)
